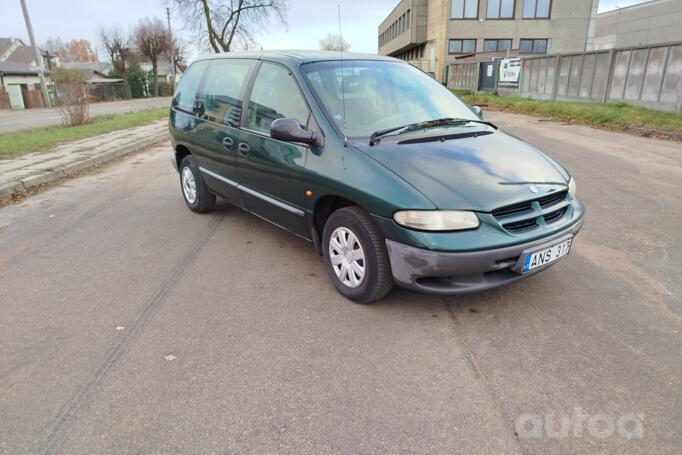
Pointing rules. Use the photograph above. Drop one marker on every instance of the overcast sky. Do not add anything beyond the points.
(308, 20)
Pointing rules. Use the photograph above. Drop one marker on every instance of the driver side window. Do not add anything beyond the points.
(275, 95)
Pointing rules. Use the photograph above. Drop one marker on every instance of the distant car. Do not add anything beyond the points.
(388, 174)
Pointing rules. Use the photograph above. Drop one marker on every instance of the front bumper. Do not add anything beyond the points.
(435, 272)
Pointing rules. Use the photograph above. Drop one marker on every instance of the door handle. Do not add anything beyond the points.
(244, 149)
(228, 142)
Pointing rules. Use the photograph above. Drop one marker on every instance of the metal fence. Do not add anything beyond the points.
(107, 91)
(648, 76)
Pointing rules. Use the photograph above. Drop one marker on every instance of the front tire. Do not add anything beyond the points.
(197, 196)
(355, 255)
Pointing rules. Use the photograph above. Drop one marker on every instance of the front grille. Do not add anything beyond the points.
(526, 215)
(513, 209)
(521, 225)
(555, 215)
(551, 199)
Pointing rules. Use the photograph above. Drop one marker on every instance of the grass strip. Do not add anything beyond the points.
(614, 116)
(36, 139)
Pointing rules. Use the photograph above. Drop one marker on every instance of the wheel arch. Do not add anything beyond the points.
(181, 152)
(323, 208)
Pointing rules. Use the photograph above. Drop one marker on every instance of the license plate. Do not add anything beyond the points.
(546, 256)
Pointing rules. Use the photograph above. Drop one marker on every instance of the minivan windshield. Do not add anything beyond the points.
(380, 95)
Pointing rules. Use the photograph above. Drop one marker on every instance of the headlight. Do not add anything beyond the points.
(571, 187)
(437, 220)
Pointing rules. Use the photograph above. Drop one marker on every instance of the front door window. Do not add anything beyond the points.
(275, 95)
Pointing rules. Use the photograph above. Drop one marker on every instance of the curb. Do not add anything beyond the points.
(34, 180)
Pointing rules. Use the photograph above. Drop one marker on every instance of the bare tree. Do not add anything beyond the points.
(225, 23)
(119, 52)
(72, 96)
(334, 43)
(180, 49)
(54, 45)
(153, 41)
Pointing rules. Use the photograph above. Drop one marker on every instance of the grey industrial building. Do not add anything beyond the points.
(658, 21)
(433, 34)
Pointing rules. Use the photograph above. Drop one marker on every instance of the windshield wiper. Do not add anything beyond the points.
(377, 135)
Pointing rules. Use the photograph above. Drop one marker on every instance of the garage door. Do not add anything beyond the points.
(15, 98)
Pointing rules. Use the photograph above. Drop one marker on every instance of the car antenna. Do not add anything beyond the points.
(343, 86)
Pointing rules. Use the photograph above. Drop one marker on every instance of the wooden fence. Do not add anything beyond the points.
(4, 100)
(32, 98)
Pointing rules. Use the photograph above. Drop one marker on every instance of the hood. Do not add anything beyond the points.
(471, 173)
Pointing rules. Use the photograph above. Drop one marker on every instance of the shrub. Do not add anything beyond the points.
(72, 96)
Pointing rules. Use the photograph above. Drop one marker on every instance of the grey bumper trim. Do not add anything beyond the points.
(436, 272)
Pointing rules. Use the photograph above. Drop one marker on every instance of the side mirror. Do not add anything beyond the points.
(289, 130)
(478, 110)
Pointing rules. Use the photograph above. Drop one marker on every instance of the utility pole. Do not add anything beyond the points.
(36, 55)
(172, 49)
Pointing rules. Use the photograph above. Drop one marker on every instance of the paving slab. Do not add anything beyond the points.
(26, 171)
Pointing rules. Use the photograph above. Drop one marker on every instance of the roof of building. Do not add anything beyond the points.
(5, 44)
(102, 67)
(23, 54)
(17, 68)
(91, 75)
(618, 9)
(299, 56)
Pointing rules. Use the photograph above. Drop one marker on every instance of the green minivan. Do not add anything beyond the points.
(390, 176)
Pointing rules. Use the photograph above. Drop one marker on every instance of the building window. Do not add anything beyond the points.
(536, 9)
(495, 45)
(500, 9)
(462, 46)
(533, 46)
(464, 9)
(408, 18)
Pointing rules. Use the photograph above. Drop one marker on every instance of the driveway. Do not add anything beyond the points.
(131, 325)
(11, 120)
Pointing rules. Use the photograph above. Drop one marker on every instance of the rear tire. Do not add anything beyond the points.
(355, 255)
(194, 190)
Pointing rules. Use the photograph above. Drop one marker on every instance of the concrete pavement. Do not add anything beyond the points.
(131, 325)
(26, 171)
(11, 120)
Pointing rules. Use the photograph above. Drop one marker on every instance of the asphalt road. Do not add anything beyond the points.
(11, 120)
(131, 325)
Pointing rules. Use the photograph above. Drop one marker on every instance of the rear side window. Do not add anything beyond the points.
(186, 93)
(275, 95)
(222, 90)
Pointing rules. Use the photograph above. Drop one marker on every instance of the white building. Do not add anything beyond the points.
(18, 72)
